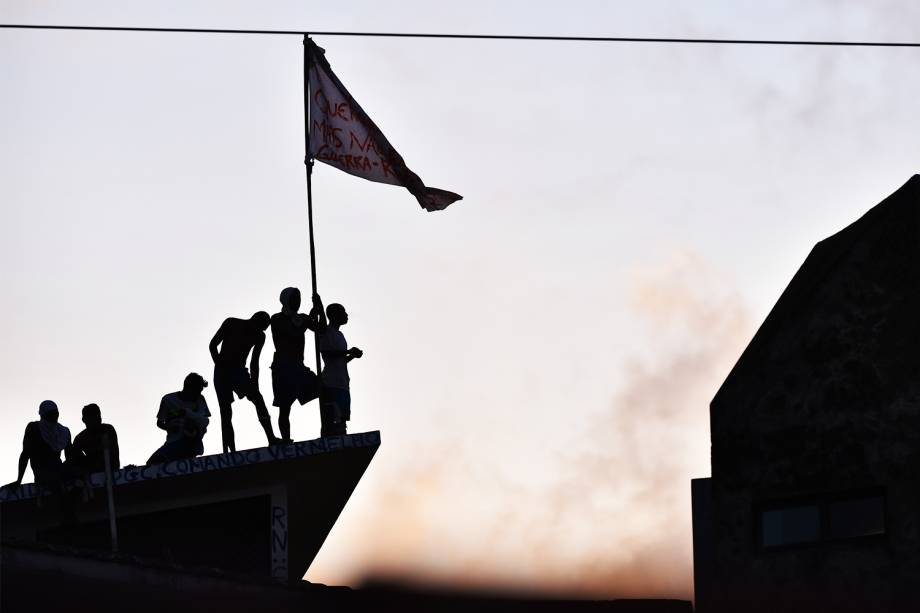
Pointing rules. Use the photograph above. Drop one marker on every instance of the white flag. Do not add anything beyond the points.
(343, 136)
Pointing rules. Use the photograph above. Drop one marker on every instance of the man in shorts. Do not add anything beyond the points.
(291, 379)
(237, 338)
(335, 405)
(42, 444)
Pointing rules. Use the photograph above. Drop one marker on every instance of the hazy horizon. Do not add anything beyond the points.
(540, 356)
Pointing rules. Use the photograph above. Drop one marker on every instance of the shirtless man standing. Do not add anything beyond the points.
(291, 379)
(237, 337)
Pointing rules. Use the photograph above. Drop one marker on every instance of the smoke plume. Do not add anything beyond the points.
(615, 520)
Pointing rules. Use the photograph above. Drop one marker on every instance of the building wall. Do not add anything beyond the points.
(824, 404)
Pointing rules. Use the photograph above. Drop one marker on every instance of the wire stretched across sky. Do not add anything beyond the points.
(512, 37)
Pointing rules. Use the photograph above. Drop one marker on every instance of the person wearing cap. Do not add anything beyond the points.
(291, 379)
(335, 403)
(237, 338)
(42, 444)
(89, 446)
(184, 415)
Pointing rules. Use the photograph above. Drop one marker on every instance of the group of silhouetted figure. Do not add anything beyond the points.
(184, 414)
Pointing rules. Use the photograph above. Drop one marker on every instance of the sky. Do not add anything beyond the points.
(539, 357)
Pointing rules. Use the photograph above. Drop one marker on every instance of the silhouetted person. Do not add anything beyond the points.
(291, 379)
(89, 445)
(42, 444)
(184, 415)
(335, 405)
(237, 337)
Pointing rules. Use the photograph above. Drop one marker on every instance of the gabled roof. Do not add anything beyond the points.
(829, 259)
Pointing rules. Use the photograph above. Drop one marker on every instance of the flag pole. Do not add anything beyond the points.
(308, 161)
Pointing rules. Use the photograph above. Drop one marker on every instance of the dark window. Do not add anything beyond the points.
(791, 525)
(856, 517)
(819, 519)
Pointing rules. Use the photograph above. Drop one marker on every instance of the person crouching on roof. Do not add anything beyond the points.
(184, 415)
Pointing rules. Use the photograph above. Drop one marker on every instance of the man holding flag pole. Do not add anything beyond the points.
(339, 133)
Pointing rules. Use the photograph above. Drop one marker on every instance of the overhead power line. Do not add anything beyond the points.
(587, 39)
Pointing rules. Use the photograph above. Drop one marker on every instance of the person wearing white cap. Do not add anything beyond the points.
(42, 444)
(335, 403)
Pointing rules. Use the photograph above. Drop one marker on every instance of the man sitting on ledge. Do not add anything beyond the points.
(184, 415)
(42, 445)
(89, 446)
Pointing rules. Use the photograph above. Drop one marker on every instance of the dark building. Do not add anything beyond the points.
(814, 499)
(47, 578)
(262, 513)
(232, 532)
